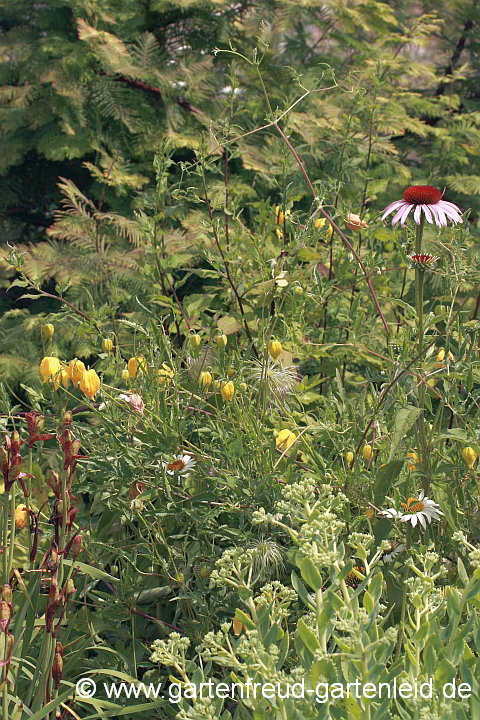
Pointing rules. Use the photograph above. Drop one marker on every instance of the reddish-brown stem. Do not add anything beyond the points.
(337, 229)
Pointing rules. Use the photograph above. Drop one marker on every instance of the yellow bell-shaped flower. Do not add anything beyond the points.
(367, 453)
(76, 368)
(227, 391)
(274, 348)
(49, 368)
(90, 383)
(285, 440)
(470, 457)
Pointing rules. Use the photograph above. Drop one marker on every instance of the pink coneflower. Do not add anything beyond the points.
(423, 260)
(427, 199)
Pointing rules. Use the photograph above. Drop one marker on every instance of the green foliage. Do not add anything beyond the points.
(297, 511)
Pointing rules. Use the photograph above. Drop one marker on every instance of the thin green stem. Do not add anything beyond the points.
(419, 284)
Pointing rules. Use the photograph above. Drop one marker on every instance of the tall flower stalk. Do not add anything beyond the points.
(427, 203)
(419, 283)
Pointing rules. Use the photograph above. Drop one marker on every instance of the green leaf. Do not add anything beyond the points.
(386, 474)
(310, 573)
(404, 420)
(301, 590)
(94, 572)
(308, 636)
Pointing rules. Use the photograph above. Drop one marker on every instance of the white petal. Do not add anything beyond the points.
(452, 214)
(398, 214)
(390, 208)
(414, 520)
(434, 211)
(422, 520)
(441, 215)
(428, 214)
(417, 213)
(405, 214)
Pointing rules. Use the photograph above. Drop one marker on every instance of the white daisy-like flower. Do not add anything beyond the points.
(426, 199)
(395, 549)
(181, 464)
(417, 509)
(390, 514)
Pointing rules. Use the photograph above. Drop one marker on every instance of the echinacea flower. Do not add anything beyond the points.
(181, 464)
(416, 510)
(423, 260)
(352, 578)
(426, 199)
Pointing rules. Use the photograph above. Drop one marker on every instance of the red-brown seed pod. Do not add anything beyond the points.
(57, 669)
(5, 615)
(77, 546)
(7, 593)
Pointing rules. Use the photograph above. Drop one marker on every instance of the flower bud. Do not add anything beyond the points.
(320, 222)
(329, 232)
(349, 458)
(69, 590)
(77, 546)
(21, 517)
(7, 593)
(5, 615)
(440, 357)
(231, 372)
(125, 374)
(298, 290)
(243, 386)
(63, 377)
(367, 453)
(107, 345)
(469, 456)
(274, 348)
(414, 457)
(280, 215)
(205, 379)
(194, 340)
(57, 669)
(221, 341)
(48, 331)
(136, 488)
(285, 440)
(354, 222)
(227, 391)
